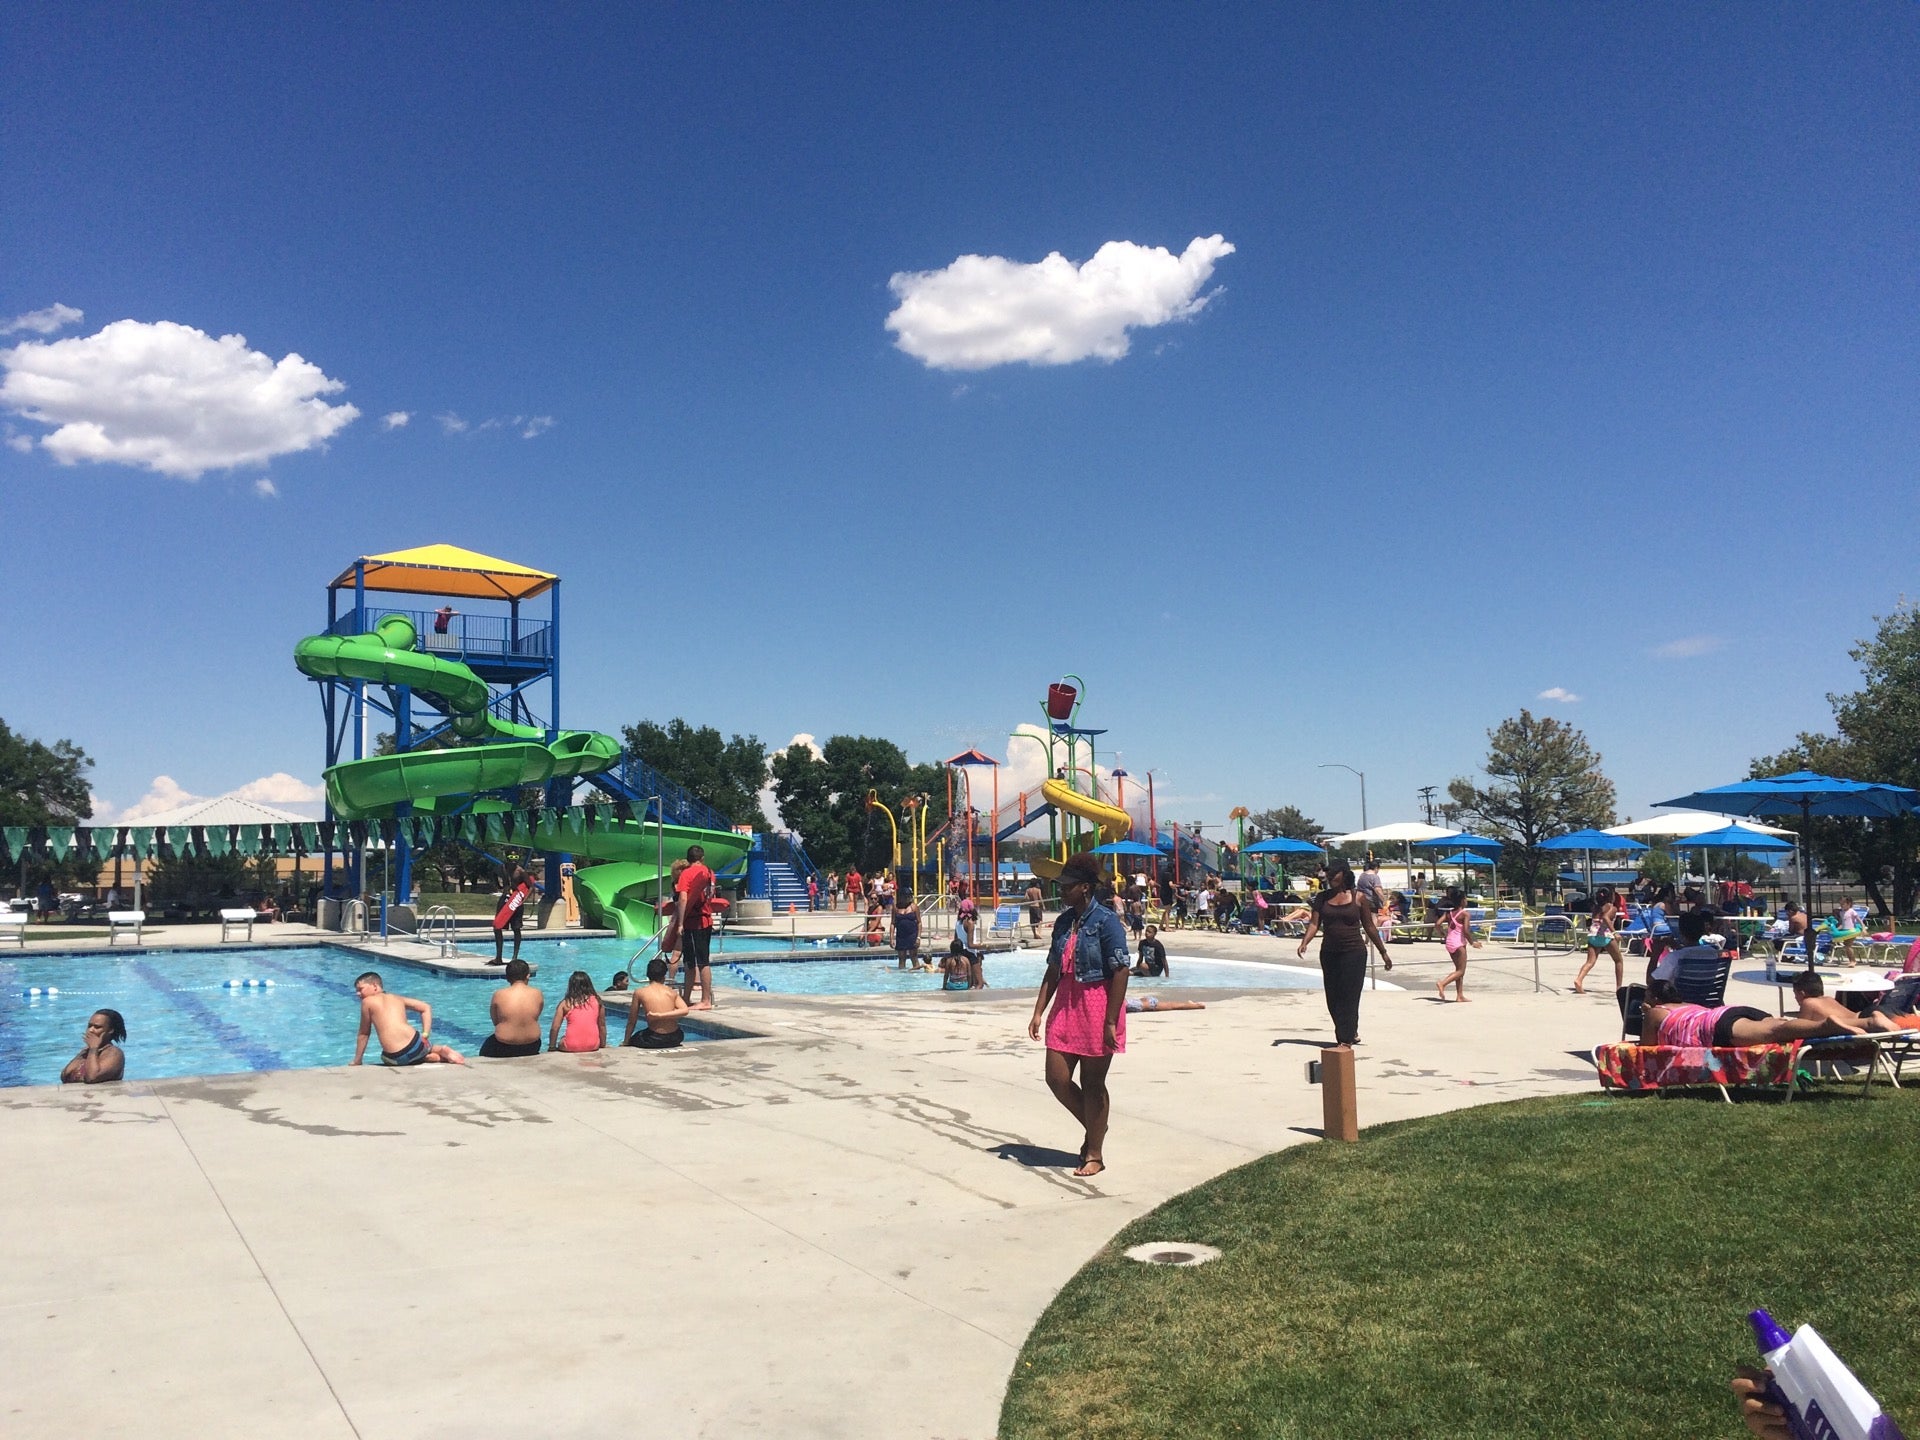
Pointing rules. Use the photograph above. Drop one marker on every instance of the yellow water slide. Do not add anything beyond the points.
(1111, 821)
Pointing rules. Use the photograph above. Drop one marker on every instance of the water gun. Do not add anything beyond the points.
(1822, 1398)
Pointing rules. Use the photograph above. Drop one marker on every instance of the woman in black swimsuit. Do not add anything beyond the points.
(1345, 924)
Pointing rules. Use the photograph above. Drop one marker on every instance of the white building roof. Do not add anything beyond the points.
(221, 810)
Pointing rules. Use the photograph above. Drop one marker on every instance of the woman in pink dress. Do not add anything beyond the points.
(1086, 980)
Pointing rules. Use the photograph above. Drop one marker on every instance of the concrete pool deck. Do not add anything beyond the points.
(846, 1228)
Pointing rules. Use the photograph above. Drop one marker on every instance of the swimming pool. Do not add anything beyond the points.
(875, 972)
(183, 1019)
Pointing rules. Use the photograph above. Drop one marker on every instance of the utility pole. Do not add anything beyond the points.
(1426, 799)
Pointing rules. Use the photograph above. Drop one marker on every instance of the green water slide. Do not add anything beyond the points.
(619, 894)
(512, 755)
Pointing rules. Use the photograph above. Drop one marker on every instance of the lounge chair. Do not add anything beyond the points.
(1703, 981)
(1507, 925)
(1006, 922)
(1641, 1069)
(1556, 928)
(14, 923)
(1632, 1000)
(121, 922)
(244, 917)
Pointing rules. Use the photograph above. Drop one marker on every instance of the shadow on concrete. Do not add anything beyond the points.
(1303, 1040)
(1313, 1130)
(1036, 1157)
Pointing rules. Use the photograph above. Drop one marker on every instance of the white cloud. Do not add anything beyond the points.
(1561, 694)
(450, 422)
(986, 310)
(803, 738)
(1687, 647)
(163, 794)
(44, 322)
(169, 398)
(395, 419)
(266, 489)
(535, 425)
(491, 423)
(281, 788)
(22, 443)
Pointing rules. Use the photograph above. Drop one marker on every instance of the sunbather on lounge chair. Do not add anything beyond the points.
(1673, 1021)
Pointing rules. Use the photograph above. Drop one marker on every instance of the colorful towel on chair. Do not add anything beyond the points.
(1655, 1067)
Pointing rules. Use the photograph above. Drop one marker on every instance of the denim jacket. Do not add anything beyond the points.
(1101, 949)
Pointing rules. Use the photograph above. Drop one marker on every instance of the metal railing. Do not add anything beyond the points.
(783, 847)
(485, 636)
(642, 782)
(442, 919)
(356, 910)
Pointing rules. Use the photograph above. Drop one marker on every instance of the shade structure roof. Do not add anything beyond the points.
(1680, 822)
(220, 810)
(1592, 840)
(1410, 831)
(1734, 837)
(1460, 840)
(1124, 847)
(1804, 792)
(971, 757)
(1282, 845)
(449, 570)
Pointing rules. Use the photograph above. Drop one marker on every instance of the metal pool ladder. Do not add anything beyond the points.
(441, 919)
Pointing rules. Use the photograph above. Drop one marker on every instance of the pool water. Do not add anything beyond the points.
(875, 972)
(183, 1020)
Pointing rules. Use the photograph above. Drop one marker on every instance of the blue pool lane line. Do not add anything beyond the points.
(236, 1042)
(441, 1026)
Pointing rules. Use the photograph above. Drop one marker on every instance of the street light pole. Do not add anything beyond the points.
(1336, 765)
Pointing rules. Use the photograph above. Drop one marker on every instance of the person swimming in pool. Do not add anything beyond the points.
(386, 1016)
(102, 1059)
(956, 970)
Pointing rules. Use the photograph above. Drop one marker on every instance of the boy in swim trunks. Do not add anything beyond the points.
(662, 1005)
(386, 1016)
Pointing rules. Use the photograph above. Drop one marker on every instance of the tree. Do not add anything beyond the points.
(197, 882)
(42, 784)
(726, 774)
(1878, 739)
(822, 797)
(1544, 780)
(1287, 820)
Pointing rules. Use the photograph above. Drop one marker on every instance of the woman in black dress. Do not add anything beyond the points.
(1344, 922)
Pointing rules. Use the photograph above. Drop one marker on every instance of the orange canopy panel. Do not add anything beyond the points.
(449, 570)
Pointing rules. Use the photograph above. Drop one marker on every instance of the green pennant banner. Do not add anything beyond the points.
(177, 839)
(283, 839)
(140, 841)
(250, 839)
(59, 840)
(16, 843)
(216, 840)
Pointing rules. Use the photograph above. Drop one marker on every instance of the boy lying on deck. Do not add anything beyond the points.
(400, 1043)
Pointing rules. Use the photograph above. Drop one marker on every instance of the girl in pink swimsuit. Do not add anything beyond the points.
(1459, 935)
(580, 1020)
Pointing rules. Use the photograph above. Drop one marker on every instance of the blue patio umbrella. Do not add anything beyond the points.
(1590, 841)
(1283, 845)
(1731, 837)
(1805, 793)
(1125, 847)
(1484, 849)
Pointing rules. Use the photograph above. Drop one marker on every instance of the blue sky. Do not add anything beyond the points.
(1559, 348)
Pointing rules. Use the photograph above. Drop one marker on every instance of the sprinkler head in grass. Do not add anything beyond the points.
(1175, 1253)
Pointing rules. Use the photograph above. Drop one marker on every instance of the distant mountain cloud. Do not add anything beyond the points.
(169, 398)
(44, 322)
(985, 310)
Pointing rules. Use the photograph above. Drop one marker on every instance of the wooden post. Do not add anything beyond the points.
(1340, 1119)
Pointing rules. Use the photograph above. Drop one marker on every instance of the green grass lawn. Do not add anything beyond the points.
(466, 903)
(1574, 1266)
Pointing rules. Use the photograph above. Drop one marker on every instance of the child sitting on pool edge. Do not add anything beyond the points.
(400, 1043)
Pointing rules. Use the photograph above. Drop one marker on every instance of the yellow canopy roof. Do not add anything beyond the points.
(449, 570)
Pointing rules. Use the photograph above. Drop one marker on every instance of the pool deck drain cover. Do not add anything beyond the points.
(1173, 1252)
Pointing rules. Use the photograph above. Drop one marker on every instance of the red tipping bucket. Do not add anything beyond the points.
(1060, 698)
